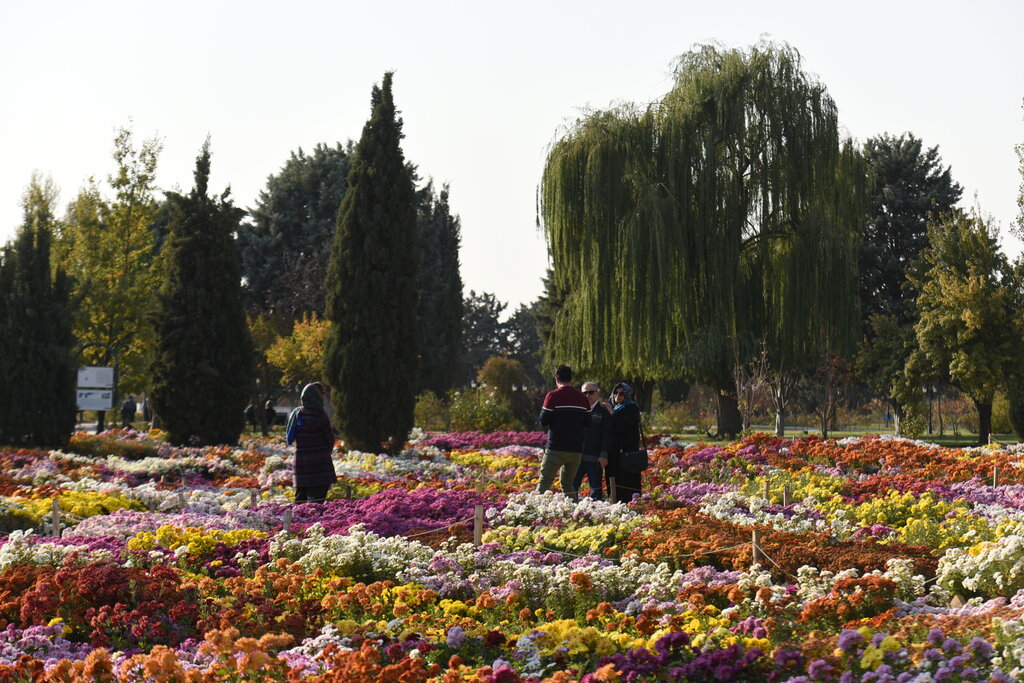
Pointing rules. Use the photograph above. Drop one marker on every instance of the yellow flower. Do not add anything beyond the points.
(872, 658)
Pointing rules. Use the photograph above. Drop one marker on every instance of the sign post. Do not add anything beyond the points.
(97, 386)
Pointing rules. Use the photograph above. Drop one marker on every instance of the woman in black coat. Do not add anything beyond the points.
(625, 436)
(310, 430)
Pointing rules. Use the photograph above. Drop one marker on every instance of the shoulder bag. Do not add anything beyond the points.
(636, 461)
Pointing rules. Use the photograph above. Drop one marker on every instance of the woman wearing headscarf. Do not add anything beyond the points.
(625, 436)
(310, 430)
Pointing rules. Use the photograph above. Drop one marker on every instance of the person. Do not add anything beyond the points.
(128, 412)
(566, 414)
(310, 430)
(250, 415)
(269, 414)
(595, 443)
(625, 436)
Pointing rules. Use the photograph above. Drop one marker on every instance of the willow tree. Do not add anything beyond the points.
(693, 231)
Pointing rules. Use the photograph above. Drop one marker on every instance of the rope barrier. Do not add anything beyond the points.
(440, 528)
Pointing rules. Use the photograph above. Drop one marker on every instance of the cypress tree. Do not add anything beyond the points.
(36, 359)
(370, 359)
(439, 312)
(203, 367)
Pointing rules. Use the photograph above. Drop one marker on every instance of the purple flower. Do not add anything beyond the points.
(951, 646)
(456, 637)
(819, 669)
(936, 636)
(980, 647)
(849, 640)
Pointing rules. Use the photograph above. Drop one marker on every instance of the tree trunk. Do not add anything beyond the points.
(897, 418)
(730, 422)
(100, 417)
(780, 422)
(643, 393)
(984, 421)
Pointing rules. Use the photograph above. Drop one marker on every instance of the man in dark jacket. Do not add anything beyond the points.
(566, 413)
(595, 442)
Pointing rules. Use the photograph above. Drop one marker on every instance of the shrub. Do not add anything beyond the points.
(475, 410)
(431, 413)
(1016, 410)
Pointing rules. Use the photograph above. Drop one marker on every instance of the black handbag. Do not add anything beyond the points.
(636, 461)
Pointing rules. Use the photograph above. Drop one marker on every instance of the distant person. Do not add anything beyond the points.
(566, 413)
(269, 414)
(595, 443)
(250, 415)
(147, 415)
(310, 430)
(128, 409)
(625, 436)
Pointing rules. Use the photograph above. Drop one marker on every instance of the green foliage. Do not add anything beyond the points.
(440, 307)
(524, 341)
(724, 214)
(1016, 409)
(507, 382)
(37, 403)
(108, 249)
(1001, 423)
(969, 328)
(483, 335)
(370, 360)
(907, 186)
(284, 249)
(478, 409)
(881, 360)
(431, 413)
(203, 367)
(299, 356)
(914, 425)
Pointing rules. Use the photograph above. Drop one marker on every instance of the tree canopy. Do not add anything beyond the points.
(720, 216)
(203, 368)
(370, 362)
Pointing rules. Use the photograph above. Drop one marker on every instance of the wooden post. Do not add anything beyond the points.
(56, 517)
(478, 525)
(767, 489)
(995, 475)
(787, 494)
(755, 543)
(611, 490)
(253, 497)
(348, 491)
(288, 521)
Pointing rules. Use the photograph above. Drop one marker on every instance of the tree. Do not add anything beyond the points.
(37, 405)
(370, 360)
(524, 341)
(285, 248)
(440, 308)
(968, 326)
(267, 379)
(907, 187)
(723, 214)
(881, 362)
(203, 367)
(299, 356)
(483, 335)
(108, 250)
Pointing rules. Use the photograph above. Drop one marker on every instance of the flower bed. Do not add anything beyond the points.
(879, 560)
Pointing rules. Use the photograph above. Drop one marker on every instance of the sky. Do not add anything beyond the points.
(483, 88)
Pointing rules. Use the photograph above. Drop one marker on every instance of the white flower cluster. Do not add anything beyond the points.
(744, 510)
(17, 550)
(531, 508)
(989, 568)
(361, 554)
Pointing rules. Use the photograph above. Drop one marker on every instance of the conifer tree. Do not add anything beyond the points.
(37, 404)
(203, 366)
(439, 313)
(370, 361)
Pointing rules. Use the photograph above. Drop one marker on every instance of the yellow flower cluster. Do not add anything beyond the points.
(488, 461)
(578, 640)
(896, 509)
(199, 541)
(572, 538)
(80, 504)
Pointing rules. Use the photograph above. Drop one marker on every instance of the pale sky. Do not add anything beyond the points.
(483, 88)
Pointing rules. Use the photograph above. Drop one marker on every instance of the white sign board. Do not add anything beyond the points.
(95, 399)
(96, 377)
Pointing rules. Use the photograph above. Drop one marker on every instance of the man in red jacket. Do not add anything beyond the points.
(565, 413)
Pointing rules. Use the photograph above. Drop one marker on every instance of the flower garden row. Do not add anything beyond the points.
(890, 560)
